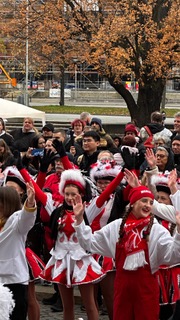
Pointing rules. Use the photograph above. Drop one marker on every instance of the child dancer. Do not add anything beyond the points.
(71, 265)
(139, 245)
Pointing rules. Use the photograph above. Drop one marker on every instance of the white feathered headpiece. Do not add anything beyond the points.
(72, 176)
(11, 173)
(102, 170)
(160, 180)
(7, 303)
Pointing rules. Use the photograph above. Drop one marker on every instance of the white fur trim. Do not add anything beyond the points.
(135, 261)
(6, 302)
(159, 179)
(101, 170)
(73, 175)
(131, 149)
(14, 172)
(118, 158)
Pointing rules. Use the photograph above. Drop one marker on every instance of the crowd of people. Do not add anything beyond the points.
(85, 208)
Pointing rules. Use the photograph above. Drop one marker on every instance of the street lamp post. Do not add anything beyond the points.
(26, 100)
(75, 77)
(75, 60)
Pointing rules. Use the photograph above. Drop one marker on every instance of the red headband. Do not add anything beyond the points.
(76, 183)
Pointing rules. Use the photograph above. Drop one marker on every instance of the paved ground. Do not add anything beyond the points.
(47, 314)
(118, 103)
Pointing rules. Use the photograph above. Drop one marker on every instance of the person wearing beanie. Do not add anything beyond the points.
(106, 141)
(47, 131)
(130, 129)
(131, 133)
(139, 246)
(70, 265)
(96, 124)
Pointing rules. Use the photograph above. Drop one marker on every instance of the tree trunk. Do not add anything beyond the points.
(149, 99)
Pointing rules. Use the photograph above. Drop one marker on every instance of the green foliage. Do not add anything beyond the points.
(111, 111)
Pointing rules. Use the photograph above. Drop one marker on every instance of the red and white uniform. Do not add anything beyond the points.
(162, 249)
(98, 218)
(70, 265)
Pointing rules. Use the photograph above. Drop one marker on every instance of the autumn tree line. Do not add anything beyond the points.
(139, 37)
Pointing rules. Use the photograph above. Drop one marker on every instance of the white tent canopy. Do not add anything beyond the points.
(10, 109)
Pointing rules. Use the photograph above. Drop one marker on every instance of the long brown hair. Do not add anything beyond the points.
(9, 201)
(7, 150)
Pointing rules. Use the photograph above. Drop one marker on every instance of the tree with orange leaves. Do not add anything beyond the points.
(138, 38)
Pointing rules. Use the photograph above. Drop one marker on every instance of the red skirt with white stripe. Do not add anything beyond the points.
(70, 272)
(169, 283)
(35, 264)
(106, 263)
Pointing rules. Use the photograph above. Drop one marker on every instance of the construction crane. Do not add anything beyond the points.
(7, 79)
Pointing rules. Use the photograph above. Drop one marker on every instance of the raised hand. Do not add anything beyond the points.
(128, 158)
(30, 195)
(45, 161)
(139, 159)
(150, 158)
(78, 208)
(172, 181)
(131, 178)
(18, 160)
(58, 145)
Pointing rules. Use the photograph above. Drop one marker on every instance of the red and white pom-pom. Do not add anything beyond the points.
(7, 303)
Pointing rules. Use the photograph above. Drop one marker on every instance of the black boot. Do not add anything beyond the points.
(52, 300)
(57, 307)
(176, 314)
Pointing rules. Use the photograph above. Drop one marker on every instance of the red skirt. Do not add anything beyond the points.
(35, 264)
(169, 284)
(106, 263)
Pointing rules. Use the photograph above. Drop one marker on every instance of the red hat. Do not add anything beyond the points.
(131, 127)
(138, 193)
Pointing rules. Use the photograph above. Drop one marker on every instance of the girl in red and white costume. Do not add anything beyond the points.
(70, 264)
(103, 209)
(139, 245)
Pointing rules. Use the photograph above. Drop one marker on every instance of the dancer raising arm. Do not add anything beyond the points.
(139, 245)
